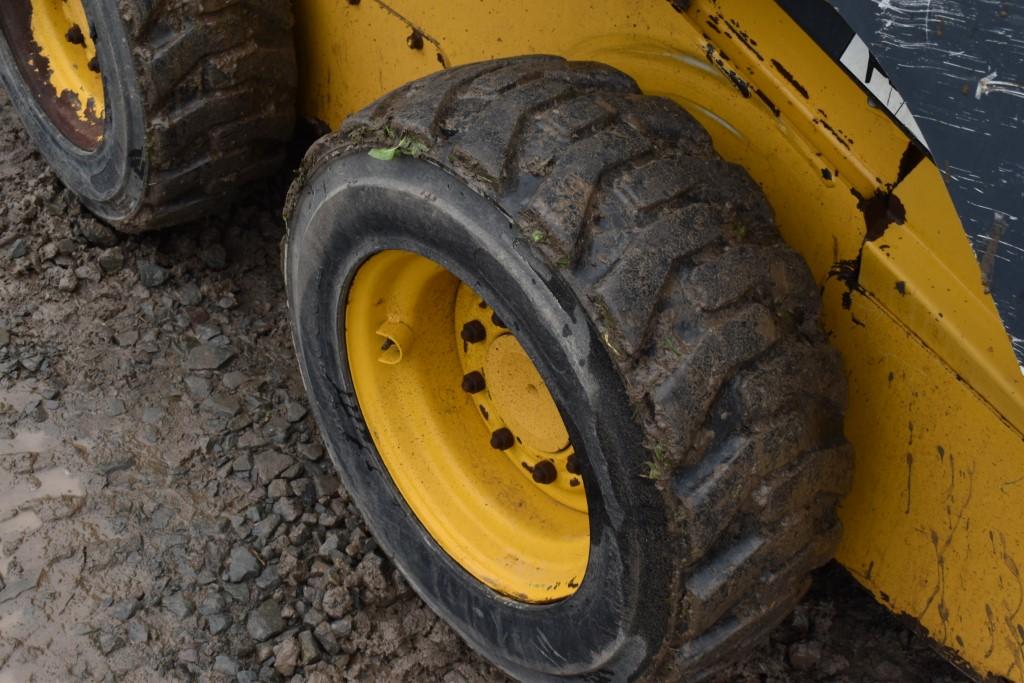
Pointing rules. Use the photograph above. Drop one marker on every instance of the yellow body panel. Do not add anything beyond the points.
(919, 311)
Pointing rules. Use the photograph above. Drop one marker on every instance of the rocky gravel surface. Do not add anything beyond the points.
(167, 511)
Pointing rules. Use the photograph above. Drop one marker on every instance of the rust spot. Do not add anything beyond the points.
(826, 174)
(901, 287)
(745, 39)
(764, 98)
(415, 40)
(784, 72)
(880, 210)
(572, 464)
(679, 5)
(498, 321)
(912, 156)
(75, 35)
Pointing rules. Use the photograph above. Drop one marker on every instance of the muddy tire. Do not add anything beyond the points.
(199, 100)
(679, 335)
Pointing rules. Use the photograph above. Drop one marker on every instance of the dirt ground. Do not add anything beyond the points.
(166, 509)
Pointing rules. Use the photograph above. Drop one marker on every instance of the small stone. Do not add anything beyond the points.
(268, 578)
(221, 404)
(66, 247)
(342, 627)
(217, 623)
(126, 338)
(310, 653)
(234, 379)
(325, 485)
(242, 564)
(208, 357)
(111, 260)
(68, 281)
(265, 621)
(48, 251)
(269, 464)
(266, 526)
(225, 665)
(138, 632)
(215, 257)
(205, 332)
(5, 336)
(108, 642)
(328, 641)
(212, 604)
(97, 233)
(311, 451)
(278, 488)
(198, 387)
(288, 508)
(115, 407)
(19, 249)
(90, 272)
(252, 440)
(152, 415)
(124, 610)
(151, 275)
(294, 411)
(189, 294)
(243, 463)
(286, 656)
(239, 592)
(337, 602)
(887, 671)
(804, 656)
(178, 605)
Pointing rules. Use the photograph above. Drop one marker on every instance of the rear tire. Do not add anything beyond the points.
(678, 334)
(200, 100)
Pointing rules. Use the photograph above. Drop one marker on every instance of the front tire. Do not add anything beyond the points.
(678, 335)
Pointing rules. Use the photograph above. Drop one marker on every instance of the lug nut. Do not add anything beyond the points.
(473, 332)
(544, 472)
(572, 465)
(473, 383)
(502, 439)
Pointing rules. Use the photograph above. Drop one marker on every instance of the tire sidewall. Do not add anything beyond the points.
(110, 179)
(354, 206)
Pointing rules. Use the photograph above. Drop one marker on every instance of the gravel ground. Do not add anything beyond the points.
(166, 509)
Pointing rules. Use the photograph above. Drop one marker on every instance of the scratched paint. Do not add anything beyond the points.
(960, 65)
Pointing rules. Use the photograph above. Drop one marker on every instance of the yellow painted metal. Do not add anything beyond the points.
(919, 311)
(61, 30)
(403, 328)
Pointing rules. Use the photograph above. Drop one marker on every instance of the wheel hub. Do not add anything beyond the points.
(467, 428)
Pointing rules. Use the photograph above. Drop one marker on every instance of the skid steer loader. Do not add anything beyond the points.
(617, 318)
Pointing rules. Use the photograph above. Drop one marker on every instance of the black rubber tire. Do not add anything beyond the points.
(680, 337)
(200, 101)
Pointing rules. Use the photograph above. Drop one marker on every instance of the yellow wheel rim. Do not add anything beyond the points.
(54, 45)
(467, 428)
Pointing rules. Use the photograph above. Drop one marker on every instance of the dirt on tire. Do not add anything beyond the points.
(166, 510)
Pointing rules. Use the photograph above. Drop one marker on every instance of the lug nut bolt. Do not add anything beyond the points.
(473, 332)
(502, 439)
(544, 472)
(473, 383)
